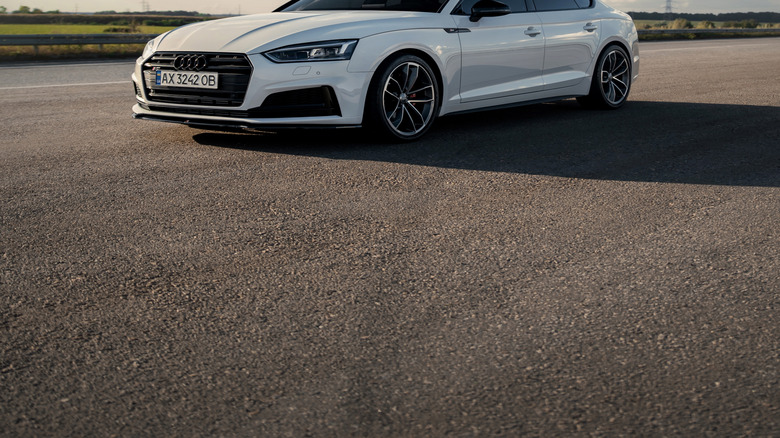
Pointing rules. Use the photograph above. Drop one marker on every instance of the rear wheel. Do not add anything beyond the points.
(611, 80)
(403, 99)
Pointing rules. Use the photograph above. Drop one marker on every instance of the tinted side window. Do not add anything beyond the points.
(556, 5)
(514, 5)
(583, 3)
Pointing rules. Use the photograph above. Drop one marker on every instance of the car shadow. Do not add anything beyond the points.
(688, 143)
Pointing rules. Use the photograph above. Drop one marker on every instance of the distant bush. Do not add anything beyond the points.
(118, 30)
(168, 22)
(681, 23)
(128, 26)
(744, 24)
(705, 25)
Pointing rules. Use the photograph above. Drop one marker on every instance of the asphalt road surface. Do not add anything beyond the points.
(541, 271)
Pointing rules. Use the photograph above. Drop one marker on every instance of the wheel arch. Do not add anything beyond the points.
(430, 60)
(596, 97)
(609, 43)
(373, 114)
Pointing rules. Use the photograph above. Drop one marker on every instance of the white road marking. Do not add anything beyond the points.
(65, 85)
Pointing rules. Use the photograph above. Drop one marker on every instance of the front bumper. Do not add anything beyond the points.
(273, 98)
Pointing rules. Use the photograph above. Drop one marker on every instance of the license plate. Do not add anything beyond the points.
(187, 79)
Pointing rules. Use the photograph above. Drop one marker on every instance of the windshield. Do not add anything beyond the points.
(357, 5)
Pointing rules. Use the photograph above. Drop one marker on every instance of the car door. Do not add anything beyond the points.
(572, 36)
(502, 56)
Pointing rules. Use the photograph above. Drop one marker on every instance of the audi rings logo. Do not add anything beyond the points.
(190, 62)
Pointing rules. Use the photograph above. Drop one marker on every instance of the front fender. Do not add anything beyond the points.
(440, 47)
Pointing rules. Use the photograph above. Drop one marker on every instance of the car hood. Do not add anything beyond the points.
(257, 33)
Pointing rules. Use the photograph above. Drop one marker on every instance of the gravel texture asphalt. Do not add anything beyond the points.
(541, 271)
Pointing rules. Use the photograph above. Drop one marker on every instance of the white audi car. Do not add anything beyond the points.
(391, 65)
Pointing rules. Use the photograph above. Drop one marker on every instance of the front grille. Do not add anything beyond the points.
(234, 74)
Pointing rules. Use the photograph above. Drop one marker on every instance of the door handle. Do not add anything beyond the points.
(532, 31)
(590, 27)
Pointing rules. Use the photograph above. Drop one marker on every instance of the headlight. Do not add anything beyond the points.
(148, 50)
(323, 51)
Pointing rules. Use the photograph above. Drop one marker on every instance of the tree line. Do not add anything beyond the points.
(26, 10)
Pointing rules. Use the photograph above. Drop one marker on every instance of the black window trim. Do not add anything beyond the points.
(292, 2)
(529, 6)
(592, 5)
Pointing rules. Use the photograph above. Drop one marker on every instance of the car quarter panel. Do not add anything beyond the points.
(622, 30)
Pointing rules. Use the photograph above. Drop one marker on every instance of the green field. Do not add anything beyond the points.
(33, 29)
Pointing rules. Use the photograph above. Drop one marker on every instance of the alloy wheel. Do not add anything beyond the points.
(408, 99)
(615, 77)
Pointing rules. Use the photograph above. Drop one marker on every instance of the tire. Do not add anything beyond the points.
(611, 81)
(403, 99)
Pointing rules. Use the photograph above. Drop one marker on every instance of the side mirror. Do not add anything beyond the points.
(488, 8)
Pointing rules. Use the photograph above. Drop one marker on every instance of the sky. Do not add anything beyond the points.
(255, 6)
